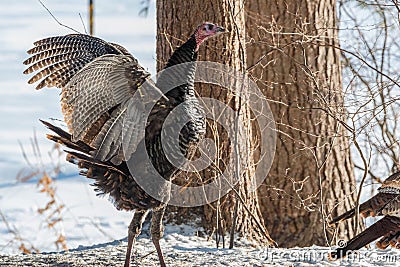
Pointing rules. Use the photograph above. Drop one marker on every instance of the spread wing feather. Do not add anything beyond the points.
(119, 136)
(102, 85)
(70, 53)
(97, 79)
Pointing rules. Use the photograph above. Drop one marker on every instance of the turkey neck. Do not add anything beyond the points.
(181, 75)
(184, 53)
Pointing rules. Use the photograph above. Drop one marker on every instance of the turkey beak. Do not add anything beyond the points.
(219, 29)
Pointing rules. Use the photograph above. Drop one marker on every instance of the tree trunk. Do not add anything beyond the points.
(291, 54)
(176, 21)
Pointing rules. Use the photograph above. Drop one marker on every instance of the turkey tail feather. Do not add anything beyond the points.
(109, 178)
(84, 161)
(65, 138)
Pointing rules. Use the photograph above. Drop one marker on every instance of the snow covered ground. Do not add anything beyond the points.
(87, 219)
(183, 248)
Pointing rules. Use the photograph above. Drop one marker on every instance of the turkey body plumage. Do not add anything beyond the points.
(98, 81)
(386, 203)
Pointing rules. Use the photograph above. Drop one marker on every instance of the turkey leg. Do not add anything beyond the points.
(157, 231)
(133, 231)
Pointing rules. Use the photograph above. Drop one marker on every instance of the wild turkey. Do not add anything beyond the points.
(98, 80)
(386, 203)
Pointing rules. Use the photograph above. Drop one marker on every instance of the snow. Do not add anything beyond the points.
(24, 22)
(86, 220)
(90, 222)
(182, 247)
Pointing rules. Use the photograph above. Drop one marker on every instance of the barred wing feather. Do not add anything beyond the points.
(61, 57)
(98, 80)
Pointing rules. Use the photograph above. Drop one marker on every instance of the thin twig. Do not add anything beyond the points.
(51, 14)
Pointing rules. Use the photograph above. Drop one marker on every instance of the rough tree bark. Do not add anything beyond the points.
(176, 20)
(291, 54)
